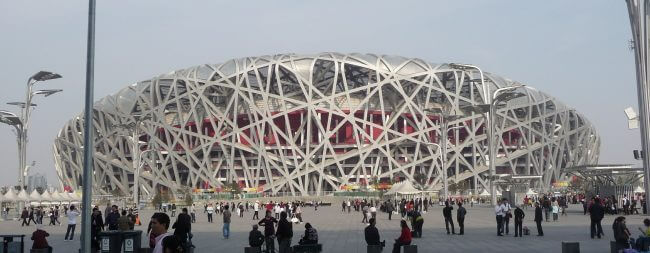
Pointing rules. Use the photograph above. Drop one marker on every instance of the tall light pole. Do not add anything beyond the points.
(136, 153)
(445, 118)
(638, 12)
(21, 123)
(488, 110)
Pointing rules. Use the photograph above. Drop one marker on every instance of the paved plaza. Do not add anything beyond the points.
(343, 232)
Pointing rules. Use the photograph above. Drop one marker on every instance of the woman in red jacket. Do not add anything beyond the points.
(404, 238)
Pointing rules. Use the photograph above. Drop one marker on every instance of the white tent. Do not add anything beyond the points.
(56, 196)
(404, 187)
(46, 197)
(22, 196)
(71, 196)
(639, 189)
(486, 193)
(35, 196)
(76, 195)
(10, 196)
(531, 192)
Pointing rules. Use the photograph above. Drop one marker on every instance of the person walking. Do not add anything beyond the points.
(460, 217)
(404, 238)
(183, 227)
(284, 233)
(193, 213)
(226, 222)
(159, 225)
(124, 222)
(96, 226)
(72, 223)
(596, 214)
(538, 219)
(364, 211)
(25, 215)
(519, 220)
(446, 213)
(173, 210)
(269, 231)
(498, 211)
(389, 209)
(256, 209)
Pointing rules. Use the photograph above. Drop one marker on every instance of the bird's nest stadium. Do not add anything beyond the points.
(311, 124)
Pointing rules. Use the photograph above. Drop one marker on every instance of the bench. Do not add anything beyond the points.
(39, 251)
(308, 248)
(374, 249)
(253, 250)
(570, 247)
(410, 248)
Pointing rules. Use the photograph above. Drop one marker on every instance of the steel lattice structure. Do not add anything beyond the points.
(305, 124)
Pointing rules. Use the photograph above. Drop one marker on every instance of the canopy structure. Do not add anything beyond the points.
(46, 196)
(486, 193)
(639, 189)
(10, 196)
(35, 196)
(22, 196)
(531, 192)
(404, 187)
(56, 196)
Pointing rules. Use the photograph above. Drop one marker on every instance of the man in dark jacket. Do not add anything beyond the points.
(183, 226)
(596, 213)
(255, 237)
(25, 215)
(96, 226)
(538, 219)
(111, 219)
(519, 220)
(446, 212)
(284, 233)
(372, 234)
(269, 231)
(460, 217)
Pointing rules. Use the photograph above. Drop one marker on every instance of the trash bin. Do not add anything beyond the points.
(110, 241)
(131, 241)
(11, 246)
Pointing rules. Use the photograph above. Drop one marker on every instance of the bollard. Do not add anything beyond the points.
(410, 248)
(374, 249)
(570, 247)
(252, 250)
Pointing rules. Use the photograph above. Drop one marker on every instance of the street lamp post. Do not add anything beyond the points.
(445, 118)
(488, 110)
(137, 154)
(21, 123)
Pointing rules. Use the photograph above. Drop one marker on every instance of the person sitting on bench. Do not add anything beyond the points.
(255, 238)
(372, 234)
(40, 242)
(310, 237)
(404, 238)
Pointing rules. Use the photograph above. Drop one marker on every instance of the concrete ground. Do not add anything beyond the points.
(343, 232)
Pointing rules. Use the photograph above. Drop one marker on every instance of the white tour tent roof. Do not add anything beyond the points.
(46, 196)
(35, 196)
(639, 189)
(22, 196)
(10, 195)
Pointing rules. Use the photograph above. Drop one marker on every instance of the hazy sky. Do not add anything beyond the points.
(577, 51)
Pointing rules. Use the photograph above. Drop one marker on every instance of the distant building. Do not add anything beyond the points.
(35, 181)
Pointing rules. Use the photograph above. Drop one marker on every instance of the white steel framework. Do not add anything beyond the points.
(305, 124)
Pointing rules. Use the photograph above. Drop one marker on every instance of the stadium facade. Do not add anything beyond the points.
(309, 124)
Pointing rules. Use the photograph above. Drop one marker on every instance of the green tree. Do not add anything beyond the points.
(188, 197)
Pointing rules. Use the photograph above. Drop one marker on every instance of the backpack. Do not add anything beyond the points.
(526, 230)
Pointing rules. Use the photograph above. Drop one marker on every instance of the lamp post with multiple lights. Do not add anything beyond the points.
(491, 99)
(21, 122)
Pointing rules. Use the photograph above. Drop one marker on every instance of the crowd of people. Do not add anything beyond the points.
(274, 231)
